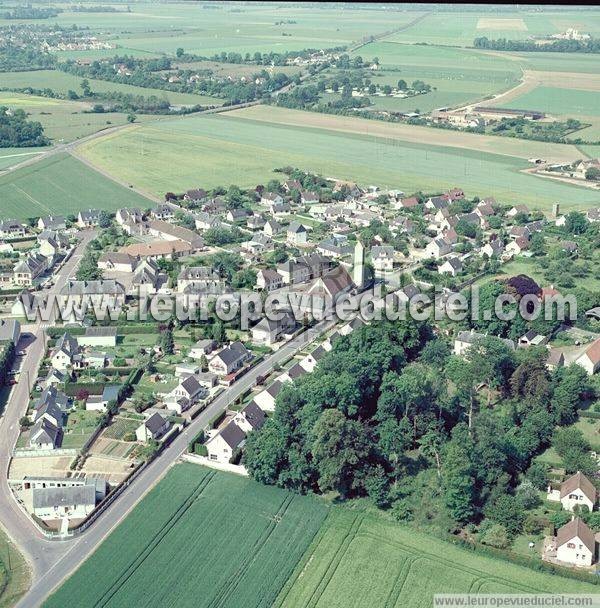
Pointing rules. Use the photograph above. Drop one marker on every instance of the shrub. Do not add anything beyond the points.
(200, 449)
(129, 437)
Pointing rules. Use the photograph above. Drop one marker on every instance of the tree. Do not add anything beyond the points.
(494, 534)
(402, 85)
(218, 332)
(592, 174)
(527, 495)
(508, 511)
(458, 484)
(131, 117)
(85, 86)
(180, 52)
(537, 474)
(576, 223)
(387, 89)
(104, 220)
(166, 341)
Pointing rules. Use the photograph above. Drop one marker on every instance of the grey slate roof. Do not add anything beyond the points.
(64, 497)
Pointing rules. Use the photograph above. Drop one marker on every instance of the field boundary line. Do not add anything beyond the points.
(396, 590)
(154, 542)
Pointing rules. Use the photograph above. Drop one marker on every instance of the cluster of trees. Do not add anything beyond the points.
(16, 59)
(30, 12)
(555, 46)
(258, 58)
(18, 132)
(391, 414)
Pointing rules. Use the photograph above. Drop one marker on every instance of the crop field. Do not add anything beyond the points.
(63, 82)
(14, 572)
(220, 150)
(365, 560)
(13, 156)
(559, 101)
(200, 538)
(61, 184)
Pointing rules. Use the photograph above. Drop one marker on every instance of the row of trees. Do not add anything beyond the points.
(555, 46)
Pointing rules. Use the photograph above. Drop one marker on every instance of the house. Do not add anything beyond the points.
(64, 351)
(44, 435)
(221, 447)
(206, 221)
(99, 403)
(55, 377)
(303, 269)
(437, 248)
(51, 395)
(590, 359)
(409, 202)
(171, 232)
(163, 212)
(258, 244)
(189, 389)
(96, 359)
(183, 370)
(532, 338)
(52, 243)
(309, 198)
(334, 248)
(51, 412)
(229, 359)
(238, 215)
(88, 218)
(517, 246)
(555, 359)
(119, 262)
(98, 335)
(29, 269)
(292, 184)
(157, 250)
(100, 292)
(268, 331)
(266, 399)
(10, 331)
(451, 266)
(312, 359)
(195, 195)
(270, 198)
(466, 339)
(52, 222)
(255, 222)
(202, 348)
(203, 278)
(73, 502)
(11, 229)
(493, 249)
(519, 231)
(271, 228)
(296, 234)
(435, 203)
(280, 209)
(332, 285)
(207, 380)
(153, 428)
(293, 373)
(147, 277)
(576, 544)
(268, 279)
(251, 418)
(577, 491)
(516, 210)
(131, 215)
(382, 258)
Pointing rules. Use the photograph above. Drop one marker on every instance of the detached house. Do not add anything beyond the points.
(229, 359)
(11, 229)
(64, 352)
(88, 218)
(578, 490)
(266, 399)
(220, 448)
(52, 222)
(437, 248)
(452, 266)
(268, 279)
(382, 257)
(590, 360)
(492, 249)
(153, 428)
(268, 331)
(296, 234)
(269, 198)
(29, 269)
(576, 544)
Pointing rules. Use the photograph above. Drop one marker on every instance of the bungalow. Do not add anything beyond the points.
(229, 359)
(577, 491)
(451, 266)
(153, 428)
(96, 359)
(72, 502)
(593, 215)
(409, 202)
(157, 250)
(221, 447)
(266, 399)
(29, 269)
(519, 231)
(259, 243)
(52, 222)
(119, 262)
(98, 291)
(576, 544)
(296, 234)
(202, 348)
(590, 359)
(268, 331)
(435, 203)
(268, 279)
(55, 377)
(383, 258)
(88, 218)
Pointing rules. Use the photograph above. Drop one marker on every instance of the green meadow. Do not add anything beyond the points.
(61, 184)
(565, 102)
(220, 150)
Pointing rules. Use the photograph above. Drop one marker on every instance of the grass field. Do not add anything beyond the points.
(365, 560)
(14, 573)
(61, 184)
(13, 156)
(200, 538)
(208, 151)
(63, 82)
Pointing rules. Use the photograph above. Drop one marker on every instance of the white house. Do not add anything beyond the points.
(578, 490)
(590, 360)
(452, 266)
(437, 248)
(382, 257)
(575, 544)
(202, 348)
(296, 234)
(268, 279)
(268, 331)
(64, 351)
(152, 428)
(73, 502)
(229, 359)
(266, 399)
(220, 448)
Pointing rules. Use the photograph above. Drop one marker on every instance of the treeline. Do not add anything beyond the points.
(391, 414)
(7, 357)
(15, 59)
(29, 12)
(555, 46)
(259, 58)
(18, 132)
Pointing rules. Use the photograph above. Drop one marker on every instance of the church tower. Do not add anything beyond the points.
(358, 273)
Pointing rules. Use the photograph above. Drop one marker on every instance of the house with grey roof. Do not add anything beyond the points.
(10, 330)
(29, 269)
(44, 435)
(153, 428)
(88, 218)
(72, 502)
(222, 446)
(229, 359)
(52, 222)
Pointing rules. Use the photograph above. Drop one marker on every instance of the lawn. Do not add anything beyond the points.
(208, 151)
(80, 426)
(362, 559)
(61, 184)
(62, 82)
(200, 538)
(14, 572)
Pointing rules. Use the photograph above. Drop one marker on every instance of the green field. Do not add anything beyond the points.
(61, 184)
(14, 573)
(365, 560)
(208, 151)
(565, 102)
(200, 538)
(62, 82)
(12, 156)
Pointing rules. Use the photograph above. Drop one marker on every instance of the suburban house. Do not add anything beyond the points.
(229, 359)
(272, 228)
(312, 359)
(129, 216)
(493, 249)
(100, 402)
(268, 331)
(73, 502)
(270, 198)
(202, 348)
(451, 266)
(52, 243)
(29, 269)
(437, 248)
(266, 399)
(88, 218)
(576, 544)
(295, 372)
(296, 234)
(152, 428)
(382, 257)
(268, 279)
(55, 377)
(171, 232)
(100, 293)
(162, 212)
(206, 221)
(44, 435)
(187, 392)
(251, 418)
(11, 229)
(157, 250)
(577, 490)
(203, 278)
(119, 262)
(195, 195)
(309, 198)
(52, 222)
(220, 448)
(64, 352)
(590, 359)
(332, 284)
